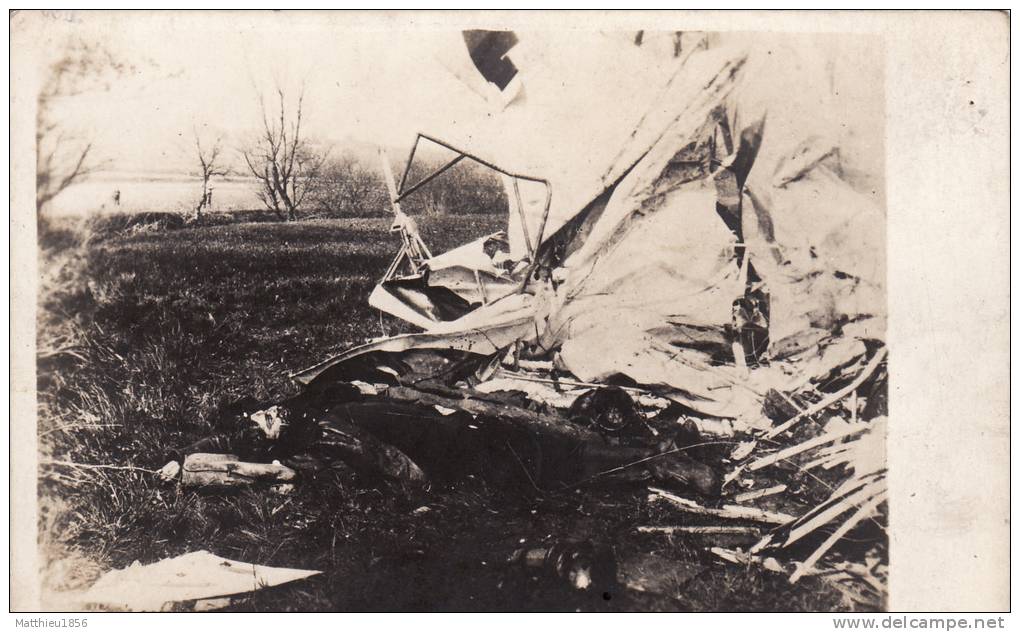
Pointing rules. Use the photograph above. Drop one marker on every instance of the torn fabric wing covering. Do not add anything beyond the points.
(601, 84)
(484, 331)
(452, 285)
(196, 575)
(745, 195)
(811, 235)
(471, 272)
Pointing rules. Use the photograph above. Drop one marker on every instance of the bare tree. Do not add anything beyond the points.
(283, 163)
(62, 157)
(208, 160)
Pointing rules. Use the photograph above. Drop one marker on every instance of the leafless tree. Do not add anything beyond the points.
(62, 157)
(283, 163)
(208, 160)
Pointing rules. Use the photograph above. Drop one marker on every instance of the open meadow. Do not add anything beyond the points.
(151, 325)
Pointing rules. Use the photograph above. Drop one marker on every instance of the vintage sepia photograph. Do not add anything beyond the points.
(342, 313)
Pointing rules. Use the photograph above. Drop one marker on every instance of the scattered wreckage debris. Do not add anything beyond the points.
(719, 248)
(422, 420)
(859, 449)
(701, 530)
(733, 512)
(743, 497)
(199, 579)
(684, 295)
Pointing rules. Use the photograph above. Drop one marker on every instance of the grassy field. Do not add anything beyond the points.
(148, 326)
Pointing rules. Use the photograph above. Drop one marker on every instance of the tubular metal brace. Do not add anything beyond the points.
(413, 249)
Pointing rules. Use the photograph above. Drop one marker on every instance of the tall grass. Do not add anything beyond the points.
(148, 326)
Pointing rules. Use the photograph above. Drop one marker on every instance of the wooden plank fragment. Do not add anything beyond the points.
(794, 450)
(863, 496)
(758, 493)
(733, 512)
(863, 512)
(831, 399)
(698, 530)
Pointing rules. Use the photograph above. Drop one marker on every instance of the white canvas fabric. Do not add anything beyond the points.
(603, 85)
(648, 288)
(192, 576)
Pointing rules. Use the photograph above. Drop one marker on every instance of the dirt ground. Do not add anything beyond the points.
(149, 326)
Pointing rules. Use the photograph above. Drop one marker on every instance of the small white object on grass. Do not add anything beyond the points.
(170, 471)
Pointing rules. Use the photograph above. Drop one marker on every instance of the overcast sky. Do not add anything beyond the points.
(363, 81)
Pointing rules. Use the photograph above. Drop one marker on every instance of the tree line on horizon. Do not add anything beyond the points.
(291, 172)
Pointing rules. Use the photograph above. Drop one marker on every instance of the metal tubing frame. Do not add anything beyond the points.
(524, 221)
(429, 178)
(461, 154)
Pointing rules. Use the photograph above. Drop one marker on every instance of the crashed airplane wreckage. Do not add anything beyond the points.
(694, 255)
(710, 237)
